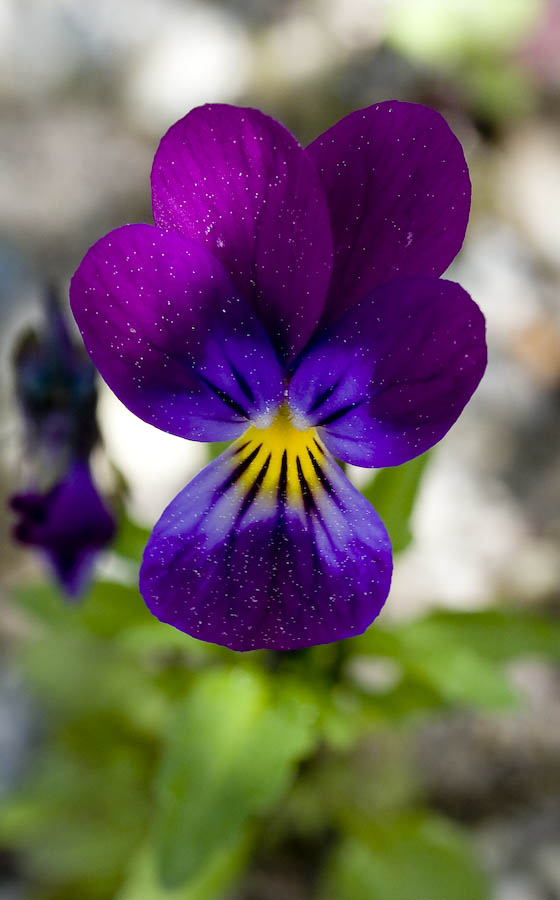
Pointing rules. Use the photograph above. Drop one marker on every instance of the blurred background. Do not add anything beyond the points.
(423, 761)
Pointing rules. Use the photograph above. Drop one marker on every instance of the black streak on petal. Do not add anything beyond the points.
(255, 488)
(283, 480)
(242, 382)
(225, 398)
(308, 501)
(238, 471)
(338, 414)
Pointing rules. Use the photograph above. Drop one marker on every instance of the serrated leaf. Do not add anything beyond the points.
(230, 756)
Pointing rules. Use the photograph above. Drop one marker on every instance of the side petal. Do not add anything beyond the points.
(70, 523)
(399, 196)
(267, 549)
(390, 378)
(238, 182)
(170, 335)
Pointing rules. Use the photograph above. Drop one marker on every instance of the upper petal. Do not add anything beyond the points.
(239, 182)
(172, 338)
(399, 196)
(389, 379)
(268, 546)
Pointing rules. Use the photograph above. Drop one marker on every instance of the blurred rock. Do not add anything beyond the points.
(197, 55)
(68, 174)
(478, 768)
(45, 47)
(529, 186)
(517, 887)
(521, 854)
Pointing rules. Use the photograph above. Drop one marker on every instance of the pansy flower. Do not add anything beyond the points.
(60, 512)
(287, 299)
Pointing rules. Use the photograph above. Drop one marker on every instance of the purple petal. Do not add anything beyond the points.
(239, 182)
(70, 523)
(390, 378)
(399, 196)
(268, 547)
(167, 330)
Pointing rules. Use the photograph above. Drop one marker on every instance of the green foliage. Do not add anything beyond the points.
(216, 448)
(392, 492)
(457, 658)
(439, 32)
(420, 857)
(230, 755)
(499, 635)
(216, 874)
(168, 765)
(131, 539)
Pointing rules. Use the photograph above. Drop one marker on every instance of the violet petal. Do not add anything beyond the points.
(389, 379)
(238, 182)
(167, 330)
(399, 196)
(267, 550)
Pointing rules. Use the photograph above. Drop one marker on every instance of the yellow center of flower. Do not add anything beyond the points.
(280, 463)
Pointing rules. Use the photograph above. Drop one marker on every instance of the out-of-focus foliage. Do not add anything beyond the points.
(474, 39)
(442, 32)
(230, 755)
(167, 766)
(420, 857)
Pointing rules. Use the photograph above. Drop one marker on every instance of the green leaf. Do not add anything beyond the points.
(41, 602)
(77, 676)
(131, 539)
(107, 608)
(464, 678)
(110, 608)
(460, 655)
(230, 756)
(218, 873)
(216, 448)
(84, 807)
(499, 635)
(392, 493)
(427, 859)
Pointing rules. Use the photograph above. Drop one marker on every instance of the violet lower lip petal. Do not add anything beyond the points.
(288, 299)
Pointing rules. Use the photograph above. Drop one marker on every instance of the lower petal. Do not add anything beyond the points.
(269, 546)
